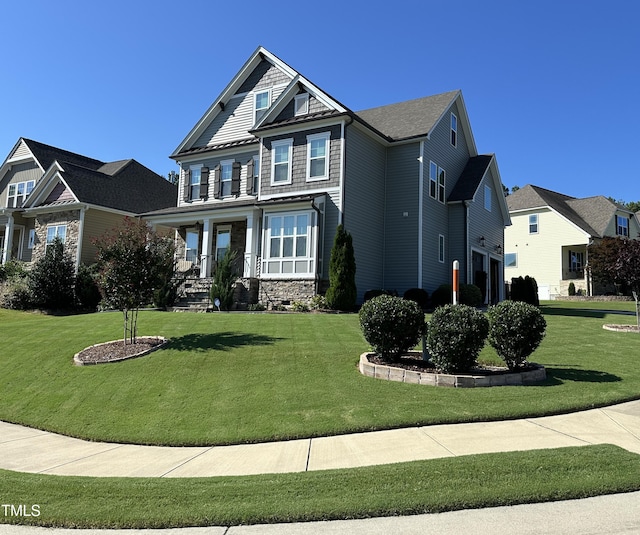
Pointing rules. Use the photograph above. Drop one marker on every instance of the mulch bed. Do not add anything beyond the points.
(414, 362)
(116, 351)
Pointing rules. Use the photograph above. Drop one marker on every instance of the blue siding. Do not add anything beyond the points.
(364, 200)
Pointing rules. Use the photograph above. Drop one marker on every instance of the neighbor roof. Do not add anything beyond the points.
(591, 214)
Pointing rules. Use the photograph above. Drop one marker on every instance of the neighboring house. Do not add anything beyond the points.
(550, 233)
(47, 192)
(275, 164)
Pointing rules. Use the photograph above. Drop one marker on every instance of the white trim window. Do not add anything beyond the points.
(441, 184)
(256, 174)
(301, 104)
(487, 198)
(226, 173)
(223, 241)
(533, 224)
(195, 174)
(454, 130)
(441, 249)
(281, 158)
(56, 231)
(622, 226)
(18, 193)
(437, 182)
(191, 245)
(318, 156)
(261, 103)
(289, 245)
(511, 260)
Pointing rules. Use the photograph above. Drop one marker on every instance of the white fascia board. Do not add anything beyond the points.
(317, 191)
(188, 218)
(497, 184)
(548, 208)
(301, 127)
(219, 153)
(463, 120)
(10, 161)
(46, 184)
(215, 108)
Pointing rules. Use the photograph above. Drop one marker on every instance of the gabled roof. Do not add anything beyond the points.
(124, 185)
(591, 214)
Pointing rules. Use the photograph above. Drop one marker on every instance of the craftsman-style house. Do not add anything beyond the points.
(46, 192)
(276, 163)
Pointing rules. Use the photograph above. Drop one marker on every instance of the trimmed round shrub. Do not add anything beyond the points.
(455, 336)
(391, 325)
(515, 331)
(418, 295)
(442, 295)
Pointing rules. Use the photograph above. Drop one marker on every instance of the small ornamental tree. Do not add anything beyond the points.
(342, 293)
(52, 278)
(516, 329)
(391, 325)
(617, 260)
(133, 261)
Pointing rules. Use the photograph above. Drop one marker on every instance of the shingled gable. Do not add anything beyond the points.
(124, 185)
(591, 214)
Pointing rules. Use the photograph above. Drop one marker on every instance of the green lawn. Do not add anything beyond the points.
(398, 489)
(234, 378)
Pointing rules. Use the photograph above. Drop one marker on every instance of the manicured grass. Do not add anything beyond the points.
(398, 489)
(234, 378)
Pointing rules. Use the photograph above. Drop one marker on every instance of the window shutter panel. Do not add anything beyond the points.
(250, 177)
(216, 181)
(187, 185)
(235, 178)
(204, 182)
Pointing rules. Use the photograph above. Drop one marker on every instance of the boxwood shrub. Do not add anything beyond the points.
(455, 336)
(391, 325)
(516, 329)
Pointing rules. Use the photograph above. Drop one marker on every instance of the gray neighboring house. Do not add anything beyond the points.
(550, 235)
(276, 163)
(47, 192)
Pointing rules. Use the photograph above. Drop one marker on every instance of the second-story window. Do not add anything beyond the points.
(226, 172)
(318, 156)
(256, 174)
(622, 226)
(533, 224)
(301, 104)
(18, 193)
(194, 183)
(281, 156)
(487, 198)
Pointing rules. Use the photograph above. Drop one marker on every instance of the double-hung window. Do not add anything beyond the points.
(318, 156)
(437, 182)
(301, 104)
(223, 242)
(194, 182)
(261, 104)
(281, 157)
(191, 246)
(256, 174)
(56, 231)
(533, 224)
(576, 260)
(454, 130)
(18, 192)
(622, 226)
(226, 173)
(288, 248)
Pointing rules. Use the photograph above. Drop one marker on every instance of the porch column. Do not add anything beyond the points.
(8, 240)
(206, 258)
(251, 247)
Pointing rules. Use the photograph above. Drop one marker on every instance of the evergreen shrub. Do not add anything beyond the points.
(455, 336)
(391, 325)
(516, 329)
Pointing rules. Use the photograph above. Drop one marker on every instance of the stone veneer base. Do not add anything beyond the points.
(391, 373)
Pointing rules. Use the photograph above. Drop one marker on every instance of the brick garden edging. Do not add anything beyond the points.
(390, 373)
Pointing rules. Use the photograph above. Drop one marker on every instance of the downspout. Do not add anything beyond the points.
(420, 210)
(343, 167)
(466, 240)
(316, 282)
(83, 209)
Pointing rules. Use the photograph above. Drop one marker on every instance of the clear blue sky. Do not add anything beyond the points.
(551, 87)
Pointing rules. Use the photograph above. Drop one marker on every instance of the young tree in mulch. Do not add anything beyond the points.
(52, 278)
(133, 261)
(617, 261)
(342, 292)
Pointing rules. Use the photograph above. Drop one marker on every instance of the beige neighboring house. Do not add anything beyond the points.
(46, 192)
(550, 233)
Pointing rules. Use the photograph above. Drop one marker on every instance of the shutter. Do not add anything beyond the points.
(250, 177)
(187, 185)
(216, 181)
(204, 182)
(235, 178)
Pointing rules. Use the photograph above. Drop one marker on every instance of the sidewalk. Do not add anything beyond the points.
(30, 450)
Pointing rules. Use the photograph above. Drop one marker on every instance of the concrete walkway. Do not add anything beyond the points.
(30, 450)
